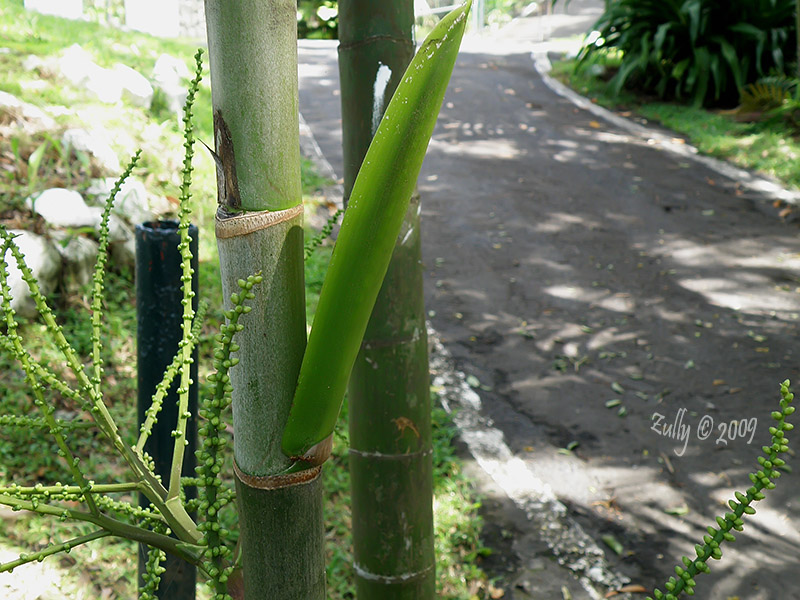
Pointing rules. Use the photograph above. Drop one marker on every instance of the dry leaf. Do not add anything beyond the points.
(628, 589)
(594, 124)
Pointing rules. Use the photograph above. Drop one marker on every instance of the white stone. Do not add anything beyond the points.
(93, 142)
(62, 208)
(24, 112)
(121, 240)
(69, 9)
(104, 84)
(135, 86)
(79, 255)
(132, 203)
(79, 68)
(32, 63)
(170, 75)
(76, 64)
(43, 260)
(156, 17)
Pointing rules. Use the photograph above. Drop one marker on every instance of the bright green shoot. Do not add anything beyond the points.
(371, 223)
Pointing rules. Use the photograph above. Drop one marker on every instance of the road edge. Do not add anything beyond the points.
(769, 189)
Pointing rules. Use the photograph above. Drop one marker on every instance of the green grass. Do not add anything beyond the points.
(25, 458)
(767, 146)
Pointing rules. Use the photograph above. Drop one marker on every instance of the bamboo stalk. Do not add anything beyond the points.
(390, 426)
(253, 55)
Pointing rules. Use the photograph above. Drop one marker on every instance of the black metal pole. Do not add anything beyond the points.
(159, 316)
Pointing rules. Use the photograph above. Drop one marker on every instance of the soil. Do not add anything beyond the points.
(598, 289)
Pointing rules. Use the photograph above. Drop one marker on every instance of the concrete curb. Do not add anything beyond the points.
(768, 189)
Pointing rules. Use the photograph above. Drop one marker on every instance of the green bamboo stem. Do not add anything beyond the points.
(390, 437)
(390, 425)
(253, 58)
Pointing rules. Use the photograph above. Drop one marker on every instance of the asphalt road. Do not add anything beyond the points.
(590, 281)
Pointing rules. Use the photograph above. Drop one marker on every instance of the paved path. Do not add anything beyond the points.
(570, 263)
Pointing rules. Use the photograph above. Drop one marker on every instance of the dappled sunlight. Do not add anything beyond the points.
(499, 149)
(747, 275)
(619, 302)
(560, 221)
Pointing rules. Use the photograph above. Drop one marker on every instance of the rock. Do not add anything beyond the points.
(135, 87)
(132, 203)
(170, 75)
(78, 66)
(105, 85)
(24, 113)
(62, 208)
(121, 240)
(95, 143)
(79, 256)
(33, 63)
(43, 260)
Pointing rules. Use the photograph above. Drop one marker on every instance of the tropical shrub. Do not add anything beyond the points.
(317, 19)
(701, 50)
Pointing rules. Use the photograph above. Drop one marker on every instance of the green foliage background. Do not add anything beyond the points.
(702, 50)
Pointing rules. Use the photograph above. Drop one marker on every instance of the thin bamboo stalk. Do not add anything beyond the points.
(390, 425)
(253, 55)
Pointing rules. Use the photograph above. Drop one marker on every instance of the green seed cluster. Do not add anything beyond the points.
(212, 497)
(27, 362)
(326, 230)
(98, 293)
(157, 401)
(116, 516)
(153, 570)
(39, 556)
(39, 423)
(762, 479)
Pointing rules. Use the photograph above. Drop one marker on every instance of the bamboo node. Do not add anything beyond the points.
(275, 482)
(239, 224)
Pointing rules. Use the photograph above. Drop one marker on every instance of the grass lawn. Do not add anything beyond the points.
(107, 567)
(768, 145)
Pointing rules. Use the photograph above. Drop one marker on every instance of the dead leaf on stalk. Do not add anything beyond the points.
(627, 589)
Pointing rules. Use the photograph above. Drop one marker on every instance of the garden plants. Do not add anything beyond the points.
(700, 50)
(277, 467)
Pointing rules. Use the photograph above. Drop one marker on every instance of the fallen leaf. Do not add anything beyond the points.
(595, 124)
(610, 541)
(627, 589)
(719, 382)
(677, 511)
